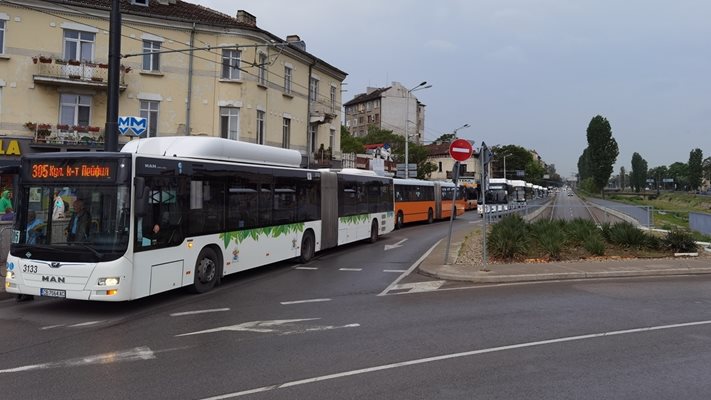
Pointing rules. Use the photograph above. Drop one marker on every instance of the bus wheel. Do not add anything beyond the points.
(307, 247)
(373, 232)
(430, 216)
(399, 221)
(205, 271)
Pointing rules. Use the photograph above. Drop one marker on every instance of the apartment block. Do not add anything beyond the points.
(393, 108)
(187, 69)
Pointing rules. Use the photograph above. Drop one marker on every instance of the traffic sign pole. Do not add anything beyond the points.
(455, 175)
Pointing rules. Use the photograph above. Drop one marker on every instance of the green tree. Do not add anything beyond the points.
(349, 143)
(658, 174)
(603, 151)
(517, 159)
(679, 171)
(696, 169)
(584, 168)
(622, 178)
(638, 176)
(446, 138)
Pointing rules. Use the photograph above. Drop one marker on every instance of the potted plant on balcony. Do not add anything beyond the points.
(58, 61)
(31, 126)
(97, 79)
(74, 62)
(44, 126)
(90, 64)
(45, 60)
(80, 128)
(62, 127)
(103, 65)
(93, 129)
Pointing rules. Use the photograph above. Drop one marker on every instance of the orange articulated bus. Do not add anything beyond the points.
(419, 200)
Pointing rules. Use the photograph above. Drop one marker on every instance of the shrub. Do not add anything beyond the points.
(579, 230)
(594, 245)
(627, 235)
(680, 241)
(508, 239)
(550, 237)
(605, 229)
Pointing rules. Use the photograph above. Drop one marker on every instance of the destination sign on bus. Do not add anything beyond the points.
(72, 170)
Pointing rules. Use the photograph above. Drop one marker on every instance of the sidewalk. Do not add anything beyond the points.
(434, 266)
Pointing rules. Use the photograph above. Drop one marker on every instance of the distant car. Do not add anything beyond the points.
(570, 193)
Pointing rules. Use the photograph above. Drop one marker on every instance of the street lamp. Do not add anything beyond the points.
(422, 85)
(454, 132)
(506, 155)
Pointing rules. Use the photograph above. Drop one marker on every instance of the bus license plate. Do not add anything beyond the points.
(53, 293)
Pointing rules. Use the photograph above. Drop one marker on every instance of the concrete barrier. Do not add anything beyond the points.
(700, 222)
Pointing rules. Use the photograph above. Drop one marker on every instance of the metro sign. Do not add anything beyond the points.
(137, 125)
(460, 150)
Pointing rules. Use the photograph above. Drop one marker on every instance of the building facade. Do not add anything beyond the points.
(386, 108)
(438, 154)
(187, 69)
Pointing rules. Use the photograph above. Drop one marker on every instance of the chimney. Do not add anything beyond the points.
(245, 18)
(296, 41)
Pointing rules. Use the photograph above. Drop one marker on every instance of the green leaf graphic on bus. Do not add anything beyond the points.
(354, 219)
(255, 234)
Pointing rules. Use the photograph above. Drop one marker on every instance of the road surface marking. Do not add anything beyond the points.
(351, 269)
(448, 357)
(252, 326)
(412, 267)
(85, 324)
(307, 268)
(397, 271)
(180, 314)
(396, 245)
(286, 303)
(44, 328)
(417, 287)
(135, 354)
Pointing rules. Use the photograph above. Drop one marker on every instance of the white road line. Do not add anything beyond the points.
(397, 271)
(448, 357)
(307, 268)
(418, 287)
(85, 324)
(180, 314)
(412, 267)
(135, 354)
(44, 328)
(351, 269)
(286, 303)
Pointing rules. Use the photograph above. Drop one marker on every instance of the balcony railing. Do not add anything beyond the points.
(321, 111)
(66, 134)
(57, 72)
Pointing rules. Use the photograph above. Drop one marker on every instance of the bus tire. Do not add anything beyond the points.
(308, 247)
(206, 271)
(399, 221)
(373, 232)
(430, 216)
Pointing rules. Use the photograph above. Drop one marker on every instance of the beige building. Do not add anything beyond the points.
(438, 154)
(386, 108)
(238, 81)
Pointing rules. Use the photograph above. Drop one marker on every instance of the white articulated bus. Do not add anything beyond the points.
(171, 212)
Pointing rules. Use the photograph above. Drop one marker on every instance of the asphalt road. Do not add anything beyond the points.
(569, 207)
(330, 330)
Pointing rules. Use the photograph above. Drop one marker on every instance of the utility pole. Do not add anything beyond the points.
(112, 105)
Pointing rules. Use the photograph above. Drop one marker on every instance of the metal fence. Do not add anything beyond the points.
(700, 222)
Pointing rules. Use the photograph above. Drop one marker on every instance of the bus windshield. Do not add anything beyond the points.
(72, 222)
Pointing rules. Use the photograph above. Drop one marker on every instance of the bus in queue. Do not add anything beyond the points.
(171, 212)
(421, 200)
(471, 193)
(498, 195)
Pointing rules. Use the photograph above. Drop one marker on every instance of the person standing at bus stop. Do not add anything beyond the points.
(6, 210)
(78, 229)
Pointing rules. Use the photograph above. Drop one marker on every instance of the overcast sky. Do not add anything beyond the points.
(526, 72)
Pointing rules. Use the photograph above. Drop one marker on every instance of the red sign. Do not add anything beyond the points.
(460, 150)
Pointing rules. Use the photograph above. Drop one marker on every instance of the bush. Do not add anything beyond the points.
(579, 230)
(594, 245)
(627, 235)
(549, 236)
(605, 229)
(680, 241)
(508, 239)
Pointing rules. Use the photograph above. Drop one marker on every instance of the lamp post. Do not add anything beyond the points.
(422, 85)
(454, 132)
(505, 155)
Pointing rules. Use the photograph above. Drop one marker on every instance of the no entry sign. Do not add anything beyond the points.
(460, 150)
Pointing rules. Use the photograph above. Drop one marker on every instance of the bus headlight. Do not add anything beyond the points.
(10, 275)
(113, 281)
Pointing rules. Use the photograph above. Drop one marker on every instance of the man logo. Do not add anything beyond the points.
(55, 265)
(54, 279)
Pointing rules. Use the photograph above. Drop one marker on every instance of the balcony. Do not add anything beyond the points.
(322, 112)
(59, 134)
(58, 72)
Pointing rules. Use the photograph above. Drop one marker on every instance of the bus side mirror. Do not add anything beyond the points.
(140, 204)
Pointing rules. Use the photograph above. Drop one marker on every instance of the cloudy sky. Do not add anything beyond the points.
(526, 72)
